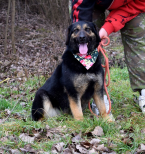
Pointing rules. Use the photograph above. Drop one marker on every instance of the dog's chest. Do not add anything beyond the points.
(81, 81)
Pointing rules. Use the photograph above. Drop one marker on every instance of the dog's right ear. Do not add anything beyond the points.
(68, 35)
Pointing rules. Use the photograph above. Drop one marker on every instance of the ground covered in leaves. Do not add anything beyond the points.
(39, 47)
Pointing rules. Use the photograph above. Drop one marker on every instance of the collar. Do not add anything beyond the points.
(87, 60)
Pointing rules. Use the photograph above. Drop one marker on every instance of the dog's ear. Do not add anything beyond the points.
(68, 35)
(96, 31)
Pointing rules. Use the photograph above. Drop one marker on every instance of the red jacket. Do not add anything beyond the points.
(122, 11)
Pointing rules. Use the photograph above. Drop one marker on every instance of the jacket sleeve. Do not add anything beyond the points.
(118, 17)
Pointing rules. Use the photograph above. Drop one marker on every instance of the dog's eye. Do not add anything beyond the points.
(76, 30)
(87, 29)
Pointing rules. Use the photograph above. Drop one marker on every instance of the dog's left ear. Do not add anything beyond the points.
(68, 35)
(95, 30)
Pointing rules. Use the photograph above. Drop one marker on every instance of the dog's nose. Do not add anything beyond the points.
(82, 36)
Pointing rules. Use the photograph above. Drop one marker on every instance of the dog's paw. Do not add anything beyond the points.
(79, 118)
(109, 118)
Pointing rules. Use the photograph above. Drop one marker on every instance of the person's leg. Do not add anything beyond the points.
(133, 37)
(98, 20)
(98, 17)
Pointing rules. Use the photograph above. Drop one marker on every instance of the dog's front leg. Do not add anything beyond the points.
(76, 109)
(99, 101)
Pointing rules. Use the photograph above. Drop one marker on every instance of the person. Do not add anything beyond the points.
(128, 16)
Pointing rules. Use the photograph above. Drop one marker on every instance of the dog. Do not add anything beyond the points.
(72, 86)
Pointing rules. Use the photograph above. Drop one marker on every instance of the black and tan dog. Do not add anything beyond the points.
(71, 86)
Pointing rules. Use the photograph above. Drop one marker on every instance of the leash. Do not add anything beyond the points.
(106, 66)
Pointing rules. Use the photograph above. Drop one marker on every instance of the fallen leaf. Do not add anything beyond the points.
(122, 132)
(92, 151)
(102, 148)
(4, 139)
(59, 146)
(17, 115)
(128, 141)
(27, 148)
(15, 151)
(49, 135)
(20, 74)
(81, 149)
(54, 151)
(98, 131)
(8, 111)
(23, 104)
(95, 141)
(77, 138)
(67, 151)
(26, 138)
(142, 147)
(86, 144)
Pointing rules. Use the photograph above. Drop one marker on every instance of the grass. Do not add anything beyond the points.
(132, 121)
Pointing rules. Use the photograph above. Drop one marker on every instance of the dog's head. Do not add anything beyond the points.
(82, 37)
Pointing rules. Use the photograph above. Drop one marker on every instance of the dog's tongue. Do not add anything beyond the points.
(83, 48)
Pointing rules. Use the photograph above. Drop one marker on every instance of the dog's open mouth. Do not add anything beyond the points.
(83, 48)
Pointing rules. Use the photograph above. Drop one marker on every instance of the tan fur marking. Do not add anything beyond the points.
(80, 84)
(76, 109)
(91, 34)
(78, 27)
(76, 35)
(85, 26)
(81, 81)
(99, 82)
(101, 107)
(41, 119)
(49, 111)
(73, 35)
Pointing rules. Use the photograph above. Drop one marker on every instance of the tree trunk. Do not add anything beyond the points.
(6, 29)
(13, 26)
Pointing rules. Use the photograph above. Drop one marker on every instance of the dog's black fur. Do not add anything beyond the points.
(71, 86)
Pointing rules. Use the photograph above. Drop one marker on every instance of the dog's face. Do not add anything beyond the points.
(82, 37)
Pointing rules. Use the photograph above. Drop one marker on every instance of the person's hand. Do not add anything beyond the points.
(103, 33)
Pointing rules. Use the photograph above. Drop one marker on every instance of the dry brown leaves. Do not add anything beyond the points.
(39, 47)
(76, 143)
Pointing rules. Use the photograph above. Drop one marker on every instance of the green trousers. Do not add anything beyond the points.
(133, 39)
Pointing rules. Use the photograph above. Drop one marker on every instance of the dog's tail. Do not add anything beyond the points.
(37, 111)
